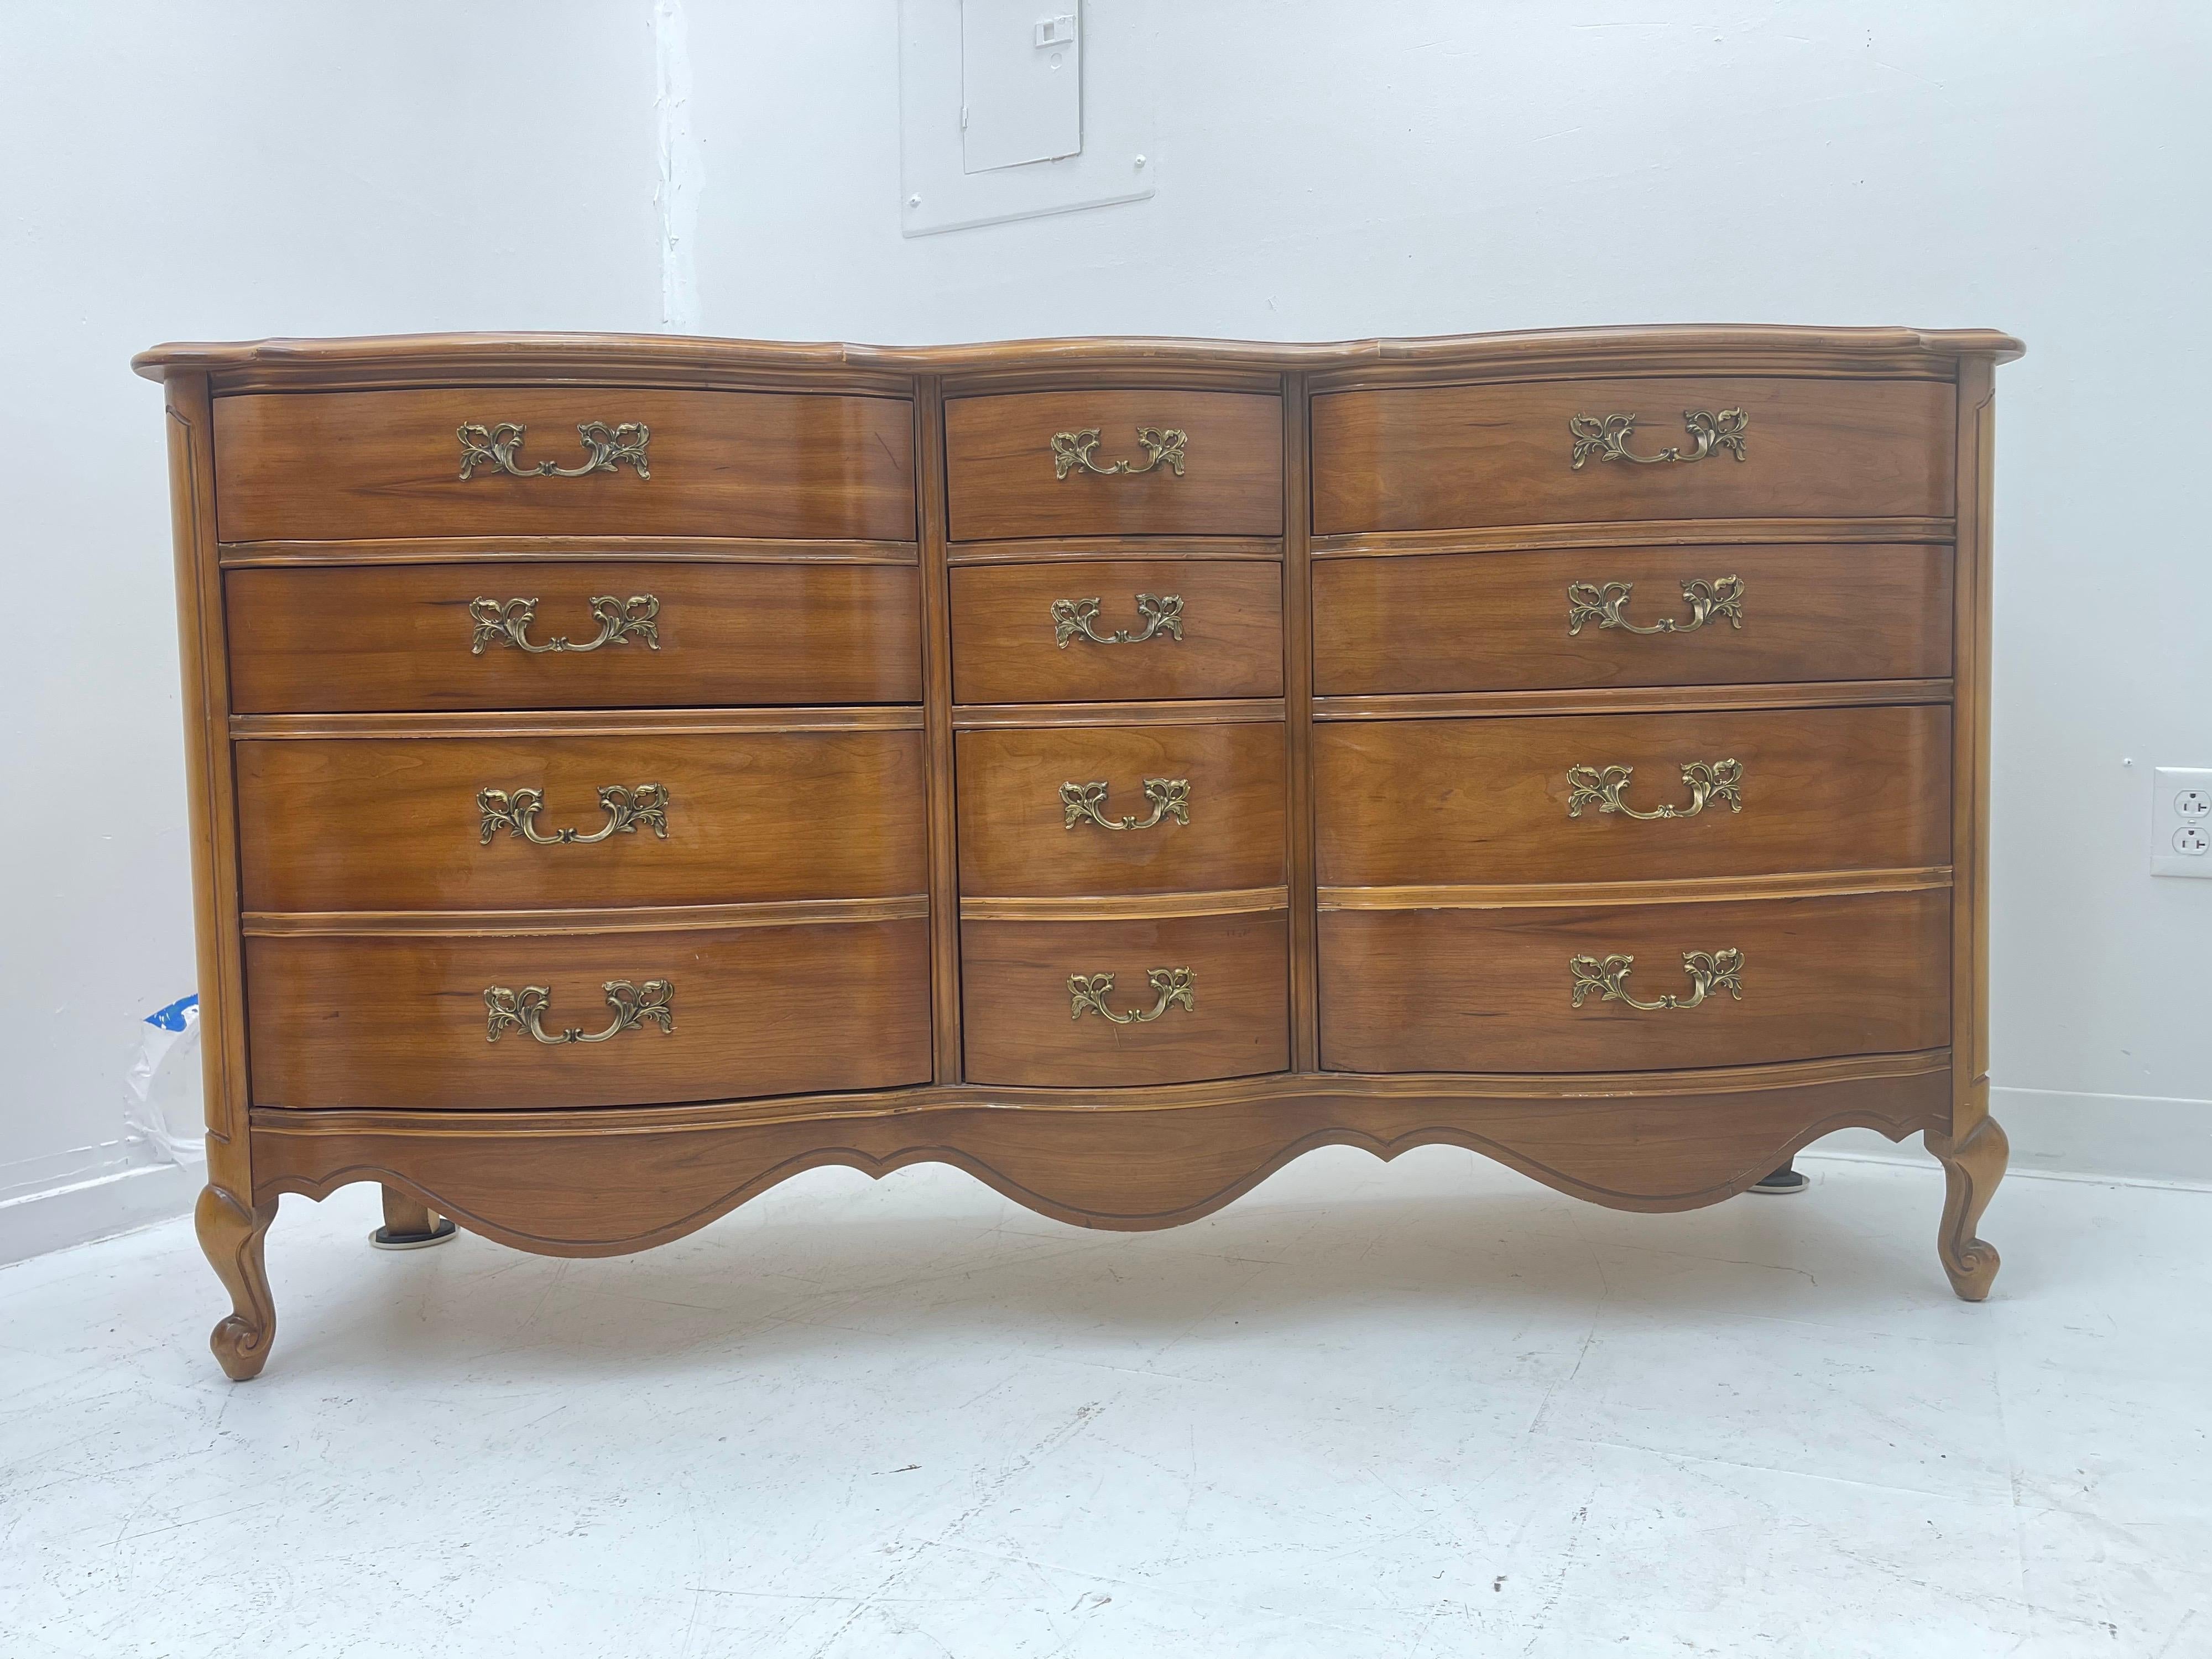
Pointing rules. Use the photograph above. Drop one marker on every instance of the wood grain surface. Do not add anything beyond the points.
(1005, 644)
(1483, 622)
(1490, 990)
(622, 359)
(603, 1183)
(1017, 1009)
(374, 638)
(1433, 458)
(355, 464)
(1015, 838)
(400, 1021)
(395, 823)
(1405, 803)
(999, 465)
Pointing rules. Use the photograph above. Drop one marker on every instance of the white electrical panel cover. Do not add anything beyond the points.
(1012, 109)
(1021, 84)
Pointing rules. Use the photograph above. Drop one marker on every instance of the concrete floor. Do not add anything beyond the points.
(1429, 1408)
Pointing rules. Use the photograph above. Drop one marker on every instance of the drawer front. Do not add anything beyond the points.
(1109, 464)
(379, 639)
(1444, 457)
(1493, 990)
(1117, 630)
(344, 465)
(1191, 998)
(462, 824)
(1572, 798)
(403, 1021)
(1602, 617)
(1121, 809)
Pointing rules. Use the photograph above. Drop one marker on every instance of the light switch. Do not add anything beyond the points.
(1021, 84)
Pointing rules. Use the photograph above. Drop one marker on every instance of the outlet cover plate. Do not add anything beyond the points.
(2180, 815)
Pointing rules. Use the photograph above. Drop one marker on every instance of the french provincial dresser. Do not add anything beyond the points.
(627, 772)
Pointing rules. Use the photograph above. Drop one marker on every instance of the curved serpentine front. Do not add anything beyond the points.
(1472, 690)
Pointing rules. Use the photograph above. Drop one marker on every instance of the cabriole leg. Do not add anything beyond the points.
(231, 1235)
(408, 1225)
(1972, 1166)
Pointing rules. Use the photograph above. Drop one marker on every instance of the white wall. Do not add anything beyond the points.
(212, 171)
(1324, 171)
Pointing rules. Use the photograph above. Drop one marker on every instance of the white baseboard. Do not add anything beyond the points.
(77, 1214)
(2109, 1137)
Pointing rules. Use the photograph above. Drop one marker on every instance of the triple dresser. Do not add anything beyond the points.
(626, 772)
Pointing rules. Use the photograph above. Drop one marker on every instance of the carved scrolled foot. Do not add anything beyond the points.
(1972, 1166)
(231, 1234)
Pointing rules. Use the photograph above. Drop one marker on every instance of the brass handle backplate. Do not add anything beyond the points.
(507, 622)
(493, 447)
(1086, 803)
(626, 808)
(1073, 619)
(1604, 604)
(1087, 993)
(1708, 971)
(1607, 437)
(1602, 787)
(633, 1005)
(1073, 452)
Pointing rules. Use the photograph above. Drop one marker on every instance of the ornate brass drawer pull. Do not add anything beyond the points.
(1086, 803)
(1161, 613)
(507, 622)
(626, 809)
(1607, 437)
(1589, 602)
(1708, 971)
(1088, 991)
(1164, 447)
(634, 1005)
(1589, 785)
(494, 446)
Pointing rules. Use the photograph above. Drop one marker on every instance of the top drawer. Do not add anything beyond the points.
(1582, 452)
(1115, 464)
(348, 465)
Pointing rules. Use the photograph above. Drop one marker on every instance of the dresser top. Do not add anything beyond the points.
(401, 358)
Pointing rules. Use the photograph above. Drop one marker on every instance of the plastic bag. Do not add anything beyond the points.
(166, 1105)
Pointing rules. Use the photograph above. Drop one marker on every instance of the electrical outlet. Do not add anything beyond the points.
(2181, 820)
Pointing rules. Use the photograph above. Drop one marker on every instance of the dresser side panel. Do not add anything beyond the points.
(210, 788)
(1970, 769)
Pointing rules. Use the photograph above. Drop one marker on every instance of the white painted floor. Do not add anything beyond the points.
(1429, 1408)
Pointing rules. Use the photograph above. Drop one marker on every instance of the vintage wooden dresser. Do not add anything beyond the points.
(627, 771)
